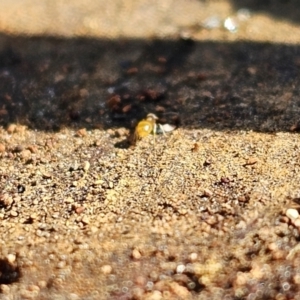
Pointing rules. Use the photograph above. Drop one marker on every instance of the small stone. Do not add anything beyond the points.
(136, 254)
(55, 215)
(193, 256)
(21, 128)
(47, 175)
(99, 181)
(121, 132)
(34, 216)
(26, 294)
(180, 269)
(2, 148)
(278, 254)
(42, 284)
(86, 166)
(137, 293)
(297, 222)
(126, 108)
(140, 280)
(73, 296)
(85, 220)
(69, 200)
(5, 289)
(155, 295)
(79, 209)
(106, 269)
(257, 271)
(159, 108)
(25, 154)
(81, 132)
(296, 279)
(284, 219)
(11, 128)
(207, 193)
(14, 213)
(33, 288)
(61, 264)
(241, 278)
(179, 290)
(273, 246)
(83, 93)
(11, 258)
(251, 161)
(6, 200)
(292, 213)
(32, 148)
(132, 71)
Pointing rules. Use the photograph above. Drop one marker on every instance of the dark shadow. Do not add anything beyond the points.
(8, 272)
(280, 9)
(49, 83)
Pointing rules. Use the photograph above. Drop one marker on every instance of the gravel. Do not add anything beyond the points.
(209, 211)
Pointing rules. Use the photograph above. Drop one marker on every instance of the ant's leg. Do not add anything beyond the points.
(162, 129)
(154, 131)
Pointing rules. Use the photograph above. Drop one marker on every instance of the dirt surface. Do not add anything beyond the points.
(209, 211)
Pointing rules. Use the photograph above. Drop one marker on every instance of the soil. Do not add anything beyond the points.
(209, 211)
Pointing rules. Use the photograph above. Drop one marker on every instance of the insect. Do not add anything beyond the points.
(146, 127)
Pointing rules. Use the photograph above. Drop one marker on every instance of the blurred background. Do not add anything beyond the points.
(99, 64)
(150, 18)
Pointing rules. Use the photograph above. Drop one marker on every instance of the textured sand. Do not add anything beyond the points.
(208, 212)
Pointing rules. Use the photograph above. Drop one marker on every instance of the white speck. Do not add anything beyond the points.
(292, 213)
(180, 269)
(230, 24)
(212, 22)
(168, 127)
(111, 90)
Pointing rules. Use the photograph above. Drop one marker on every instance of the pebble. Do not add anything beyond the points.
(5, 289)
(61, 264)
(79, 209)
(212, 22)
(106, 269)
(297, 222)
(11, 128)
(85, 220)
(2, 147)
(292, 213)
(231, 24)
(25, 154)
(155, 295)
(207, 193)
(137, 293)
(81, 132)
(180, 269)
(136, 254)
(14, 213)
(251, 161)
(73, 297)
(180, 290)
(69, 200)
(42, 284)
(241, 278)
(86, 166)
(32, 148)
(193, 256)
(126, 108)
(296, 279)
(11, 258)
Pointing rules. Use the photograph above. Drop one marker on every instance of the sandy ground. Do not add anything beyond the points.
(209, 211)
